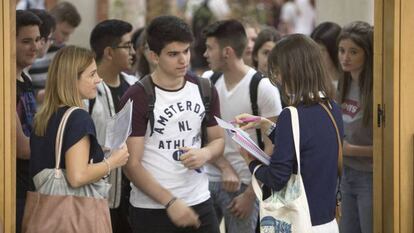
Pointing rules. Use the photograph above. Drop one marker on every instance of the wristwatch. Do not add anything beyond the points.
(270, 129)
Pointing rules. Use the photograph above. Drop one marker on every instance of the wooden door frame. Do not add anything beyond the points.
(7, 115)
(393, 141)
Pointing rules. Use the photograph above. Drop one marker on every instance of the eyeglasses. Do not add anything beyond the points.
(124, 46)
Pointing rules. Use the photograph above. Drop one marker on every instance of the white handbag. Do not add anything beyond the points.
(287, 210)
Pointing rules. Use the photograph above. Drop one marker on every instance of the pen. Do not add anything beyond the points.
(248, 119)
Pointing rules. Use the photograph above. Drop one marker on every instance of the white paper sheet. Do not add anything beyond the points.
(119, 127)
(243, 139)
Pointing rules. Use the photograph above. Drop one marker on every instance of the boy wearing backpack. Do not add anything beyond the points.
(241, 89)
(169, 187)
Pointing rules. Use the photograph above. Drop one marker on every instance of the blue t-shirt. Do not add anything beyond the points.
(318, 158)
(78, 125)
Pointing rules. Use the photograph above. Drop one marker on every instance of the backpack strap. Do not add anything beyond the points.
(205, 87)
(148, 85)
(253, 87)
(215, 76)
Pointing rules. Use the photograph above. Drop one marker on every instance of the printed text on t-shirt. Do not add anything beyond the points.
(350, 108)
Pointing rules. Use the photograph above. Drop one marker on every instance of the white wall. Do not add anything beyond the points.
(87, 10)
(344, 11)
(134, 13)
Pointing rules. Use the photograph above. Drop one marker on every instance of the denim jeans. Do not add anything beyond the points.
(357, 201)
(221, 199)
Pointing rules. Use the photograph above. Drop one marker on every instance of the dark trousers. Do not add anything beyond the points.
(20, 203)
(157, 220)
(119, 216)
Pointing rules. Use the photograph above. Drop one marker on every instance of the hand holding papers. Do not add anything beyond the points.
(243, 139)
(118, 127)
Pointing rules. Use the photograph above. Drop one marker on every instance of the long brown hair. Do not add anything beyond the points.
(361, 33)
(298, 60)
(61, 85)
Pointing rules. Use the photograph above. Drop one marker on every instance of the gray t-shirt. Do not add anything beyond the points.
(355, 131)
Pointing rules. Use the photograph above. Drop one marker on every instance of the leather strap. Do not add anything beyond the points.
(340, 156)
(59, 136)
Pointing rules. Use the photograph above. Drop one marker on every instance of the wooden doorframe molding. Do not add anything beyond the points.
(393, 142)
(8, 115)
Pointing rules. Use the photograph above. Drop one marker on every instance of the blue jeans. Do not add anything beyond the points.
(357, 201)
(221, 199)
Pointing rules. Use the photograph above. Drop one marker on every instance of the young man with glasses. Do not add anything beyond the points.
(111, 42)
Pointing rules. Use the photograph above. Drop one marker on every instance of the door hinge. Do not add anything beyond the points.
(380, 115)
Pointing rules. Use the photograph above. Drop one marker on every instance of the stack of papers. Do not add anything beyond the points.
(119, 128)
(243, 139)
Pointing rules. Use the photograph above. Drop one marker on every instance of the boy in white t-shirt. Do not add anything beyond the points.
(169, 190)
(229, 176)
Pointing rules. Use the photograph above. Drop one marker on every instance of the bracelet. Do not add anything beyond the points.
(108, 166)
(270, 129)
(170, 202)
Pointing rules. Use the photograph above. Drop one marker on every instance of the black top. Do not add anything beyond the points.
(118, 91)
(26, 109)
(78, 125)
(319, 158)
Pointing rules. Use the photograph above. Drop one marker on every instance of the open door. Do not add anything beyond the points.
(393, 116)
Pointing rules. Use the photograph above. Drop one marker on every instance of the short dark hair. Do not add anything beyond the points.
(48, 22)
(298, 60)
(26, 18)
(167, 29)
(66, 12)
(265, 35)
(228, 33)
(108, 33)
(326, 34)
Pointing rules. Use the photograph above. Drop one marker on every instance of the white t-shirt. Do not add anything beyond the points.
(235, 102)
(178, 115)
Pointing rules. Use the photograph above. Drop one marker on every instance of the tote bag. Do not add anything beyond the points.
(287, 210)
(57, 207)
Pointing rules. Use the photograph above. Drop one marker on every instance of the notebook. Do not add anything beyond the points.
(243, 139)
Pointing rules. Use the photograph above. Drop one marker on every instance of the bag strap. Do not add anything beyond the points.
(59, 136)
(148, 86)
(340, 155)
(296, 138)
(215, 76)
(253, 87)
(255, 184)
(296, 134)
(205, 88)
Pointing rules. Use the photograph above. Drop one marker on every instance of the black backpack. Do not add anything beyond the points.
(205, 88)
(254, 84)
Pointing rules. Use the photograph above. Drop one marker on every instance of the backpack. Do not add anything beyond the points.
(205, 88)
(253, 86)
